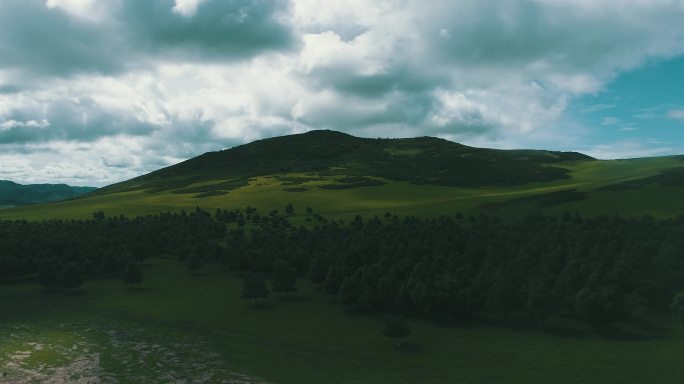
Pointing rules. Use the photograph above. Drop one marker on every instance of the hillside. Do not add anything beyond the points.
(13, 194)
(339, 175)
(424, 160)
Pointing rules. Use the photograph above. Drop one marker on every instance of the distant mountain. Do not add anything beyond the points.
(14, 195)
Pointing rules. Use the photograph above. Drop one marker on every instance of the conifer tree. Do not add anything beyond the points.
(254, 287)
(132, 274)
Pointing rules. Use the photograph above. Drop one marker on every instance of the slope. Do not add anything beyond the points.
(339, 176)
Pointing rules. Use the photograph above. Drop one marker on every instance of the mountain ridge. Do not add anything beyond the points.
(13, 194)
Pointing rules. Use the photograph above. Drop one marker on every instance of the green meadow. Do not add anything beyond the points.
(180, 327)
(402, 197)
(194, 328)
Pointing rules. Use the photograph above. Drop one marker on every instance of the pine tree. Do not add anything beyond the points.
(48, 276)
(396, 328)
(194, 263)
(132, 274)
(677, 307)
(71, 277)
(284, 277)
(254, 287)
(333, 281)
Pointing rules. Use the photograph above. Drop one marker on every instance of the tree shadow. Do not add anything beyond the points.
(408, 347)
(613, 332)
(658, 329)
(262, 306)
(563, 331)
(617, 333)
(136, 289)
(74, 292)
(293, 298)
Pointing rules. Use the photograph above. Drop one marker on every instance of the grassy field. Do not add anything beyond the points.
(402, 198)
(178, 326)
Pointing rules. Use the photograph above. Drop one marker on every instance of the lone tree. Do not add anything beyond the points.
(677, 307)
(396, 328)
(71, 277)
(289, 209)
(254, 287)
(131, 275)
(194, 263)
(333, 281)
(284, 277)
(48, 276)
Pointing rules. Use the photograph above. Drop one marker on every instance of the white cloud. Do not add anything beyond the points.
(631, 148)
(9, 124)
(481, 72)
(610, 120)
(676, 114)
(83, 9)
(187, 7)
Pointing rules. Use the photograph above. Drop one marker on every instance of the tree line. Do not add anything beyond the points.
(599, 269)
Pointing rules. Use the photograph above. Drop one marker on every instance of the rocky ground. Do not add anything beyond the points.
(98, 353)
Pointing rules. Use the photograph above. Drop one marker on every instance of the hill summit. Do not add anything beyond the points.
(422, 160)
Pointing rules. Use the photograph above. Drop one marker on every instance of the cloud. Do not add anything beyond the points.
(676, 114)
(610, 120)
(111, 89)
(67, 37)
(597, 108)
(630, 148)
(187, 7)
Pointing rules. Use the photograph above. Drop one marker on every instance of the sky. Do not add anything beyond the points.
(94, 92)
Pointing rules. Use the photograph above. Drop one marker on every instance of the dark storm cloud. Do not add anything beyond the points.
(352, 112)
(8, 89)
(71, 120)
(46, 41)
(377, 85)
(232, 29)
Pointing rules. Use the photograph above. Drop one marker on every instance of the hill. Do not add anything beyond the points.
(424, 160)
(13, 194)
(339, 175)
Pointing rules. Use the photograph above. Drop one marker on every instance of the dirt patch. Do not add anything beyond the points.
(107, 354)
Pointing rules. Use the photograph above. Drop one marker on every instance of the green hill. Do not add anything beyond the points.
(13, 194)
(340, 176)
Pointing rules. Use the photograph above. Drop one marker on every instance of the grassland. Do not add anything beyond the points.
(400, 197)
(194, 327)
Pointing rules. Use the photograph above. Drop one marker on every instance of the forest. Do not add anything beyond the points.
(598, 270)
